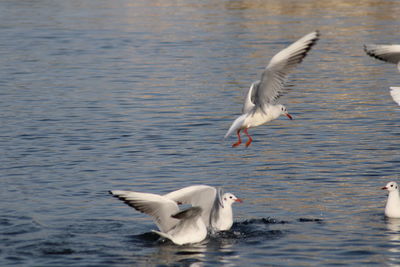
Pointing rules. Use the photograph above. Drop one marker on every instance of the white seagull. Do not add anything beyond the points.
(216, 205)
(387, 53)
(260, 104)
(395, 93)
(392, 209)
(181, 227)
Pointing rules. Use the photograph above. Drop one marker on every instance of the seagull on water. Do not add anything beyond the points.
(260, 104)
(217, 205)
(392, 209)
(181, 227)
(387, 53)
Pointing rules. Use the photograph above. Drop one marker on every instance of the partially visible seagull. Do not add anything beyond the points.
(392, 208)
(387, 53)
(260, 104)
(181, 227)
(216, 205)
(395, 93)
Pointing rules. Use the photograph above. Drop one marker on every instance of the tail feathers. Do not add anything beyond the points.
(167, 236)
(236, 125)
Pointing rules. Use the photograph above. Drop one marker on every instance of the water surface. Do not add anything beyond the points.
(137, 95)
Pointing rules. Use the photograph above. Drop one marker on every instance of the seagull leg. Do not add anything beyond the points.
(239, 139)
(250, 139)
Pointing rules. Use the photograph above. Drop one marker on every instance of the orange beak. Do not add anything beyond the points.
(383, 188)
(288, 115)
(239, 200)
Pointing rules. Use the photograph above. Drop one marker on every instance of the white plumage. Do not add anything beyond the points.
(216, 205)
(181, 227)
(387, 53)
(260, 104)
(392, 208)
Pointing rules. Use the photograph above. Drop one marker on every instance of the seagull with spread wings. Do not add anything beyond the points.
(181, 227)
(217, 205)
(260, 104)
(210, 208)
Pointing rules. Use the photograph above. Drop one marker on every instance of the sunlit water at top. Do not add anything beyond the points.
(137, 95)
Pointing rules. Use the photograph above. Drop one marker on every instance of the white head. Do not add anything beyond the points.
(284, 111)
(391, 186)
(228, 199)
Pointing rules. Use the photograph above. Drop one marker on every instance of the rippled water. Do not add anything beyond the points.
(137, 95)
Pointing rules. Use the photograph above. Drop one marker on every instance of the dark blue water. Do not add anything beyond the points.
(137, 95)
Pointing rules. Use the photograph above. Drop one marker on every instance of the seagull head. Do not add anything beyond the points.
(229, 198)
(284, 111)
(391, 186)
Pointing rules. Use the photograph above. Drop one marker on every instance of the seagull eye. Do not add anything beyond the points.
(224, 198)
(230, 197)
(391, 185)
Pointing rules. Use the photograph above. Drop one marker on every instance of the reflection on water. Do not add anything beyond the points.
(192, 255)
(393, 233)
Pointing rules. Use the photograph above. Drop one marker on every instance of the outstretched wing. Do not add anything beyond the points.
(196, 195)
(387, 53)
(159, 207)
(271, 85)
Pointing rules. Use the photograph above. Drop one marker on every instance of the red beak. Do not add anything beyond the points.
(288, 115)
(383, 188)
(239, 200)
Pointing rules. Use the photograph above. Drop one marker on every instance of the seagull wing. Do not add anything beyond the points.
(271, 86)
(249, 98)
(395, 93)
(388, 53)
(196, 195)
(187, 230)
(159, 207)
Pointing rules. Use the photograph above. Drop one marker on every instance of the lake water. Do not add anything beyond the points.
(137, 95)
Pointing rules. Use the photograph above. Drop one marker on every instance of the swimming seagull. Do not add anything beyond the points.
(181, 227)
(260, 103)
(387, 53)
(216, 205)
(392, 209)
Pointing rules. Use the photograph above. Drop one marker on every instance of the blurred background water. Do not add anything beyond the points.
(137, 95)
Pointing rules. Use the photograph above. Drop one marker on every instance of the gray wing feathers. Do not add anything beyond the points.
(249, 98)
(197, 195)
(159, 207)
(387, 53)
(188, 214)
(275, 74)
(217, 205)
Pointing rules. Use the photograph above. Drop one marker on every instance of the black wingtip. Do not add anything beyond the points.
(371, 53)
(311, 43)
